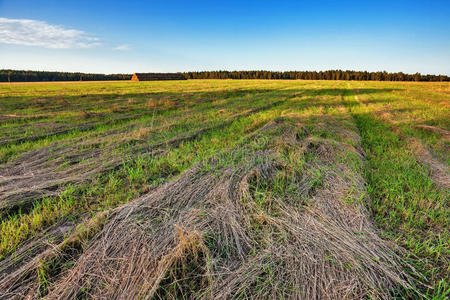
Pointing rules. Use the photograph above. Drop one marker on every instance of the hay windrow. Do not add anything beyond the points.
(26, 273)
(241, 226)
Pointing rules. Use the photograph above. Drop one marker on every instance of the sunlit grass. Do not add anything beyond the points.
(171, 126)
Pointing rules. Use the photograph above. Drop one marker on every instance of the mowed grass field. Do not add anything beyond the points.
(225, 189)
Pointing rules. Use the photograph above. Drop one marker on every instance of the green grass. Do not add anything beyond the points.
(157, 130)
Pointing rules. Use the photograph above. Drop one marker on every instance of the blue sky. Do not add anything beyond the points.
(166, 36)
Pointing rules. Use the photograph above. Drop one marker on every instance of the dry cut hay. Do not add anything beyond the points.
(45, 129)
(32, 247)
(23, 274)
(211, 233)
(46, 171)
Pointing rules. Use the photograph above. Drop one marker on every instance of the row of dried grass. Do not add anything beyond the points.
(22, 273)
(45, 171)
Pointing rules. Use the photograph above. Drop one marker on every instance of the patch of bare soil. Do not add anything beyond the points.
(212, 233)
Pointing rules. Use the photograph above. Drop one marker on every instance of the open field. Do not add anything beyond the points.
(225, 189)
(60, 82)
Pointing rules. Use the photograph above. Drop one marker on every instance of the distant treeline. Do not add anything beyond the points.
(314, 75)
(25, 76)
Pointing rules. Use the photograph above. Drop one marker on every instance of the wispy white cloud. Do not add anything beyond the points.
(39, 33)
(122, 48)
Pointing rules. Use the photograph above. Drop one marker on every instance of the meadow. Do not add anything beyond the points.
(225, 189)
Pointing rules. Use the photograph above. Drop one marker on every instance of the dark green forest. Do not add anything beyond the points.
(316, 75)
(24, 76)
(30, 76)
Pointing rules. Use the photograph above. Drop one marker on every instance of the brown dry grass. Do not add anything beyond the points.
(20, 271)
(140, 133)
